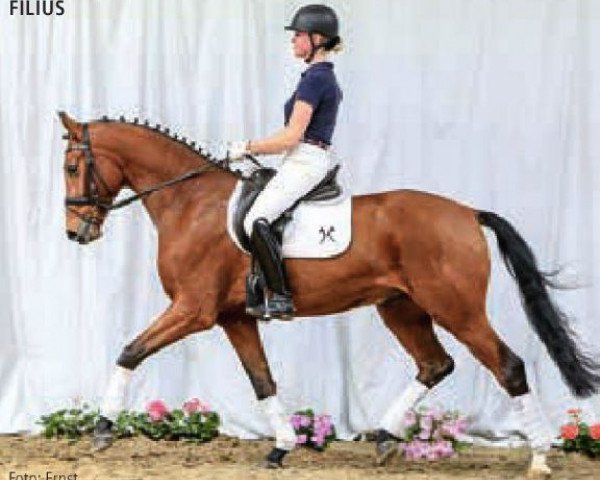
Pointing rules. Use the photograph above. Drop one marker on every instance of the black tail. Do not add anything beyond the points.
(579, 371)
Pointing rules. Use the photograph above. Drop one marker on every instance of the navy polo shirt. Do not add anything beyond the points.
(319, 88)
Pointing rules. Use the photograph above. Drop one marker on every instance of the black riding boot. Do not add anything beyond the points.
(267, 250)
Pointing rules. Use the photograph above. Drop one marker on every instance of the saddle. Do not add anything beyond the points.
(326, 189)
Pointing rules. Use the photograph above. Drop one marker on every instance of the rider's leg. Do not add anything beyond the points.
(302, 169)
(268, 253)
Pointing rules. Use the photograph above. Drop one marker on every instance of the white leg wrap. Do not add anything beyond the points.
(539, 467)
(285, 436)
(393, 420)
(533, 421)
(114, 399)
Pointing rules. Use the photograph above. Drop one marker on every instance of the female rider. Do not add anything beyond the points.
(310, 117)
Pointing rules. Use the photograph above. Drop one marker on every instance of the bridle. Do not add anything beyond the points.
(93, 177)
(90, 195)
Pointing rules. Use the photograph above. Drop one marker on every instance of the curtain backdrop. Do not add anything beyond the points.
(495, 104)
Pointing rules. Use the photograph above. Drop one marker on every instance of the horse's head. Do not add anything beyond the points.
(93, 178)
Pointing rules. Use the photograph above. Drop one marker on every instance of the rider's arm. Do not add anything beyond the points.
(289, 136)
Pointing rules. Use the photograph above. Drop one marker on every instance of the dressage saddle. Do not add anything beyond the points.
(327, 189)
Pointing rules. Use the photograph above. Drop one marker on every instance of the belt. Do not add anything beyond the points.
(316, 143)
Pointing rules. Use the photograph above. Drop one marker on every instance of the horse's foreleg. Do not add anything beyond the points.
(178, 321)
(242, 331)
(413, 328)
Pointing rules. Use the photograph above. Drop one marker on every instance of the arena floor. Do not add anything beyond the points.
(227, 458)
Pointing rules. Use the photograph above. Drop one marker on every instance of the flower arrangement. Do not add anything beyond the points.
(313, 431)
(70, 423)
(432, 434)
(578, 436)
(193, 422)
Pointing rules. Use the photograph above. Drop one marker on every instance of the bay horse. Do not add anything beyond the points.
(418, 258)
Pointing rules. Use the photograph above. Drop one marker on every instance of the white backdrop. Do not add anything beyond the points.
(496, 104)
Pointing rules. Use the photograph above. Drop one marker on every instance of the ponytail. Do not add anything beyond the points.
(333, 44)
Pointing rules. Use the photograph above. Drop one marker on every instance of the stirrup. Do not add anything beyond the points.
(255, 294)
(280, 306)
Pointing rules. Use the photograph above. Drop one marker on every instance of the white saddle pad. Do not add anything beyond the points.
(317, 229)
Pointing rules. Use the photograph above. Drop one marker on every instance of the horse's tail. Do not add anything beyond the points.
(579, 371)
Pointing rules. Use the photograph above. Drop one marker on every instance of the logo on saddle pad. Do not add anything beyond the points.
(327, 234)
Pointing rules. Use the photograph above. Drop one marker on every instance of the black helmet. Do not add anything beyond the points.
(315, 19)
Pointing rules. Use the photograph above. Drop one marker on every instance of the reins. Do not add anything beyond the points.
(91, 196)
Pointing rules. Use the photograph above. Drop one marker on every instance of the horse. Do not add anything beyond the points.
(419, 258)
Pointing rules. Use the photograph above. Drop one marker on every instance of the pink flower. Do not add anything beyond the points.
(301, 439)
(295, 420)
(156, 410)
(443, 448)
(305, 421)
(324, 421)
(461, 425)
(449, 430)
(430, 451)
(318, 440)
(195, 405)
(432, 454)
(569, 431)
(454, 428)
(595, 431)
(409, 418)
(322, 425)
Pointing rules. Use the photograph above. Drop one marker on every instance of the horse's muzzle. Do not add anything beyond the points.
(86, 232)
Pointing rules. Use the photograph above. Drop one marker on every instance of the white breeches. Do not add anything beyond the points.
(302, 169)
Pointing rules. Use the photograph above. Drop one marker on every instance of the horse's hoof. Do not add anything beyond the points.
(539, 473)
(270, 465)
(275, 458)
(385, 451)
(539, 468)
(103, 437)
(101, 442)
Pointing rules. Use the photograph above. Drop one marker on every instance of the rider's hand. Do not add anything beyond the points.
(237, 150)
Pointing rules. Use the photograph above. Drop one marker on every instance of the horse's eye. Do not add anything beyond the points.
(72, 169)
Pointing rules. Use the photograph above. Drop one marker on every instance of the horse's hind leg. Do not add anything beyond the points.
(413, 327)
(477, 334)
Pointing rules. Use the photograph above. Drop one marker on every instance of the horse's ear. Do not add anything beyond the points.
(73, 127)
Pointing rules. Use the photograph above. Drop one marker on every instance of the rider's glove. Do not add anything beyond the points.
(237, 150)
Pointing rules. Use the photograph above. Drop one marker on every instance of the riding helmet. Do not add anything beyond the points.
(315, 19)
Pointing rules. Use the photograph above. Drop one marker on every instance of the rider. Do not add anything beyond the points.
(310, 117)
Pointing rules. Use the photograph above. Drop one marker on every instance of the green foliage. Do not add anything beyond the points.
(71, 423)
(175, 425)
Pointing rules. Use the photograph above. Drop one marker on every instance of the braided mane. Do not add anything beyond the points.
(198, 150)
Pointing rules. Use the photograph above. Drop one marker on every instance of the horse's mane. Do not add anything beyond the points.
(199, 150)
